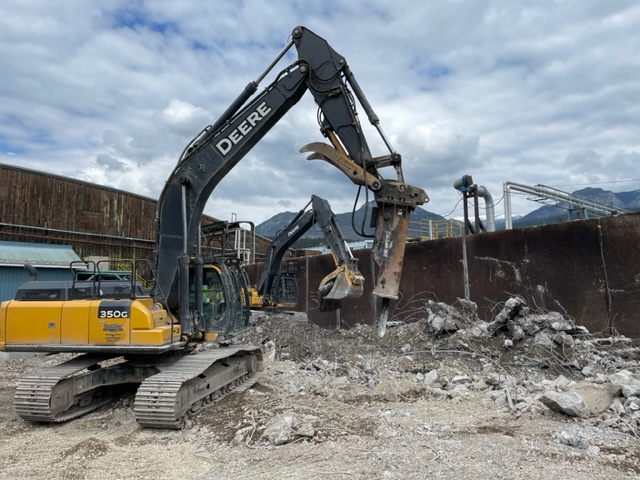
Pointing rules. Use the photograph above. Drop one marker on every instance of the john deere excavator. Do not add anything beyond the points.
(121, 335)
(344, 282)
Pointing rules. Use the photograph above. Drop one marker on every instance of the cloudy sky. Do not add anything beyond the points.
(535, 92)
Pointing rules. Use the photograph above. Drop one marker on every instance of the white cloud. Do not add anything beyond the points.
(184, 117)
(111, 91)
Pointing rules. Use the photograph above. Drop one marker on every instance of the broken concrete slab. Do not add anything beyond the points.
(444, 318)
(561, 382)
(624, 383)
(431, 377)
(543, 339)
(513, 307)
(597, 397)
(631, 389)
(569, 403)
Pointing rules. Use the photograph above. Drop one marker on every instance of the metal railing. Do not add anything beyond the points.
(427, 229)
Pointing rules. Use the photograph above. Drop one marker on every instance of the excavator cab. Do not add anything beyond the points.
(213, 299)
(285, 292)
(217, 296)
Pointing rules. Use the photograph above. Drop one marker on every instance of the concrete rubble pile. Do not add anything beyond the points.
(600, 375)
(528, 362)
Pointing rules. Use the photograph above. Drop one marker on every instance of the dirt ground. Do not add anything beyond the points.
(340, 405)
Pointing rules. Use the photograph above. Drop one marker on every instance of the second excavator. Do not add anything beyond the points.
(345, 281)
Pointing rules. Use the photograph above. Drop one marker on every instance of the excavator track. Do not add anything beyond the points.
(52, 394)
(181, 389)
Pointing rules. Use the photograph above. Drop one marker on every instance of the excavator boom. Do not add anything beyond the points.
(323, 72)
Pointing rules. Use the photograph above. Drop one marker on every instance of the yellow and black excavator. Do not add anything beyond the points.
(158, 340)
(275, 288)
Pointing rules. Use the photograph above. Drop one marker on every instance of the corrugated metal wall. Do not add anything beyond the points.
(42, 200)
(95, 220)
(12, 277)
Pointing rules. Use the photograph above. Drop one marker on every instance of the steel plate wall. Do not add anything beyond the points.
(587, 269)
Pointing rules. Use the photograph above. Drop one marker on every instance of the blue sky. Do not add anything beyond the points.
(534, 92)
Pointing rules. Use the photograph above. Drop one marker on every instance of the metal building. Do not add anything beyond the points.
(50, 261)
(97, 221)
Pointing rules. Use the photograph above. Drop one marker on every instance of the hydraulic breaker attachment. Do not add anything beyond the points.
(395, 200)
(388, 248)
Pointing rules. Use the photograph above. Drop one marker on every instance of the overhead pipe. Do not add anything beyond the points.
(507, 186)
(489, 207)
(558, 195)
(465, 185)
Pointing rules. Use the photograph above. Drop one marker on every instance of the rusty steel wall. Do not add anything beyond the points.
(588, 269)
(95, 220)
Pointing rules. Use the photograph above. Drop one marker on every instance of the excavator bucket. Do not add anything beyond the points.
(340, 284)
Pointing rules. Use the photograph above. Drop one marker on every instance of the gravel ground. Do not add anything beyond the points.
(337, 405)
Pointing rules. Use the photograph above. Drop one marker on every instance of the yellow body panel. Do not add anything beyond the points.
(105, 329)
(257, 302)
(32, 322)
(157, 336)
(74, 323)
(210, 336)
(3, 319)
(254, 299)
(86, 322)
(141, 318)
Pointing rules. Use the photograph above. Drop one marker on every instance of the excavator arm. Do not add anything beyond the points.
(344, 282)
(212, 154)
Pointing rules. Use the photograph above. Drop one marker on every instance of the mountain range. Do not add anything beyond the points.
(272, 226)
(546, 214)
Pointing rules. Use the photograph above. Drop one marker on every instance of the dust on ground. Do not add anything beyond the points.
(528, 395)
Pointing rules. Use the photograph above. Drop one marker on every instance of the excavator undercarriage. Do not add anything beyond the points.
(172, 387)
